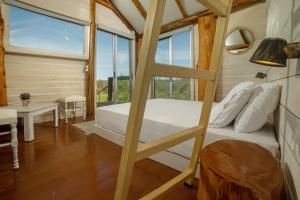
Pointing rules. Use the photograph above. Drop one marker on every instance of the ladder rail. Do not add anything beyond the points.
(168, 186)
(211, 86)
(216, 6)
(140, 95)
(147, 68)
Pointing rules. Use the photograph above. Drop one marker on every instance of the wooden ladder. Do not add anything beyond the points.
(147, 68)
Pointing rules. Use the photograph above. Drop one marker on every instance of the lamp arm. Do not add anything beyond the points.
(293, 50)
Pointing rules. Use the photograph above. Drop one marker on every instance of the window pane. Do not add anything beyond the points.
(123, 70)
(162, 84)
(162, 52)
(37, 31)
(181, 56)
(105, 70)
(181, 49)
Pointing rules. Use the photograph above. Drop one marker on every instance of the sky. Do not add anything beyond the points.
(33, 30)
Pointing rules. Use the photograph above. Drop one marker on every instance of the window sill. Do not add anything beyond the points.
(41, 53)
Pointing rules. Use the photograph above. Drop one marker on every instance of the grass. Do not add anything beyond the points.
(181, 90)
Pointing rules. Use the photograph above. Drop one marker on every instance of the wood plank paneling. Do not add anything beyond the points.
(207, 29)
(282, 22)
(46, 79)
(237, 68)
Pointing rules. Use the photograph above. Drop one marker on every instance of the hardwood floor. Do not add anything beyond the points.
(64, 163)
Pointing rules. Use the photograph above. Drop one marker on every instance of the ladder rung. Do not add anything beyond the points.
(216, 6)
(150, 148)
(167, 186)
(181, 72)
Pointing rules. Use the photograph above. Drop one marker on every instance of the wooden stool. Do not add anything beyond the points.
(70, 104)
(231, 169)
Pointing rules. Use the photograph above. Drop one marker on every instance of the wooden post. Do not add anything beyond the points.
(90, 84)
(207, 29)
(3, 91)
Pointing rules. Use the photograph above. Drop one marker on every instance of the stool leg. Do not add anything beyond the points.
(14, 145)
(66, 112)
(84, 111)
(74, 108)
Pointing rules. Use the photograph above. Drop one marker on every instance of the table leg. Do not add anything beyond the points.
(84, 110)
(14, 145)
(28, 127)
(55, 117)
(66, 112)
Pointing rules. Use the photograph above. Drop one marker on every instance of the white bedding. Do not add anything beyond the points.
(165, 116)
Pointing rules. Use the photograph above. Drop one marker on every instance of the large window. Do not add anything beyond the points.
(175, 50)
(113, 69)
(37, 31)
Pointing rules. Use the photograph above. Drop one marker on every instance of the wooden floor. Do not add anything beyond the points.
(64, 163)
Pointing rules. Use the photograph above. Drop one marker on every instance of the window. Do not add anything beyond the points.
(113, 68)
(37, 31)
(174, 50)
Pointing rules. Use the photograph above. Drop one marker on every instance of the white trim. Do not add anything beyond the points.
(169, 36)
(42, 53)
(192, 62)
(167, 158)
(11, 49)
(43, 11)
(116, 32)
(131, 43)
(186, 28)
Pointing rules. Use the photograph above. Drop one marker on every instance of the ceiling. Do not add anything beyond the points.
(172, 12)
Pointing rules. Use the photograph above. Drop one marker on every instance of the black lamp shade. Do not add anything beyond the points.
(271, 52)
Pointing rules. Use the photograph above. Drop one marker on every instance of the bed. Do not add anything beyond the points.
(166, 116)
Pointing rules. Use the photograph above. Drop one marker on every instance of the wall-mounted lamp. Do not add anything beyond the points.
(261, 75)
(275, 51)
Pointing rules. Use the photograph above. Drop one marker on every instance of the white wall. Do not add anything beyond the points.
(237, 68)
(284, 22)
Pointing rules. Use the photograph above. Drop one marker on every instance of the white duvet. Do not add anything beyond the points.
(165, 116)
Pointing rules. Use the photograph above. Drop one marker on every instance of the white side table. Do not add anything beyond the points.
(33, 109)
(70, 104)
(9, 116)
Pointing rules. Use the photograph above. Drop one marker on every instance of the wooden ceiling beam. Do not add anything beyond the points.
(192, 19)
(186, 21)
(181, 8)
(140, 8)
(111, 6)
(242, 4)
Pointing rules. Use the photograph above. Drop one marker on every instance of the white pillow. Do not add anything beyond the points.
(225, 111)
(262, 103)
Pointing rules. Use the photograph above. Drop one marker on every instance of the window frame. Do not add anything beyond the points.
(131, 39)
(168, 36)
(9, 48)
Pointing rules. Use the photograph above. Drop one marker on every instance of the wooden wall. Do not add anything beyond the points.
(46, 79)
(283, 22)
(237, 68)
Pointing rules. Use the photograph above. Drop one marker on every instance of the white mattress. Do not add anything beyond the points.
(165, 116)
